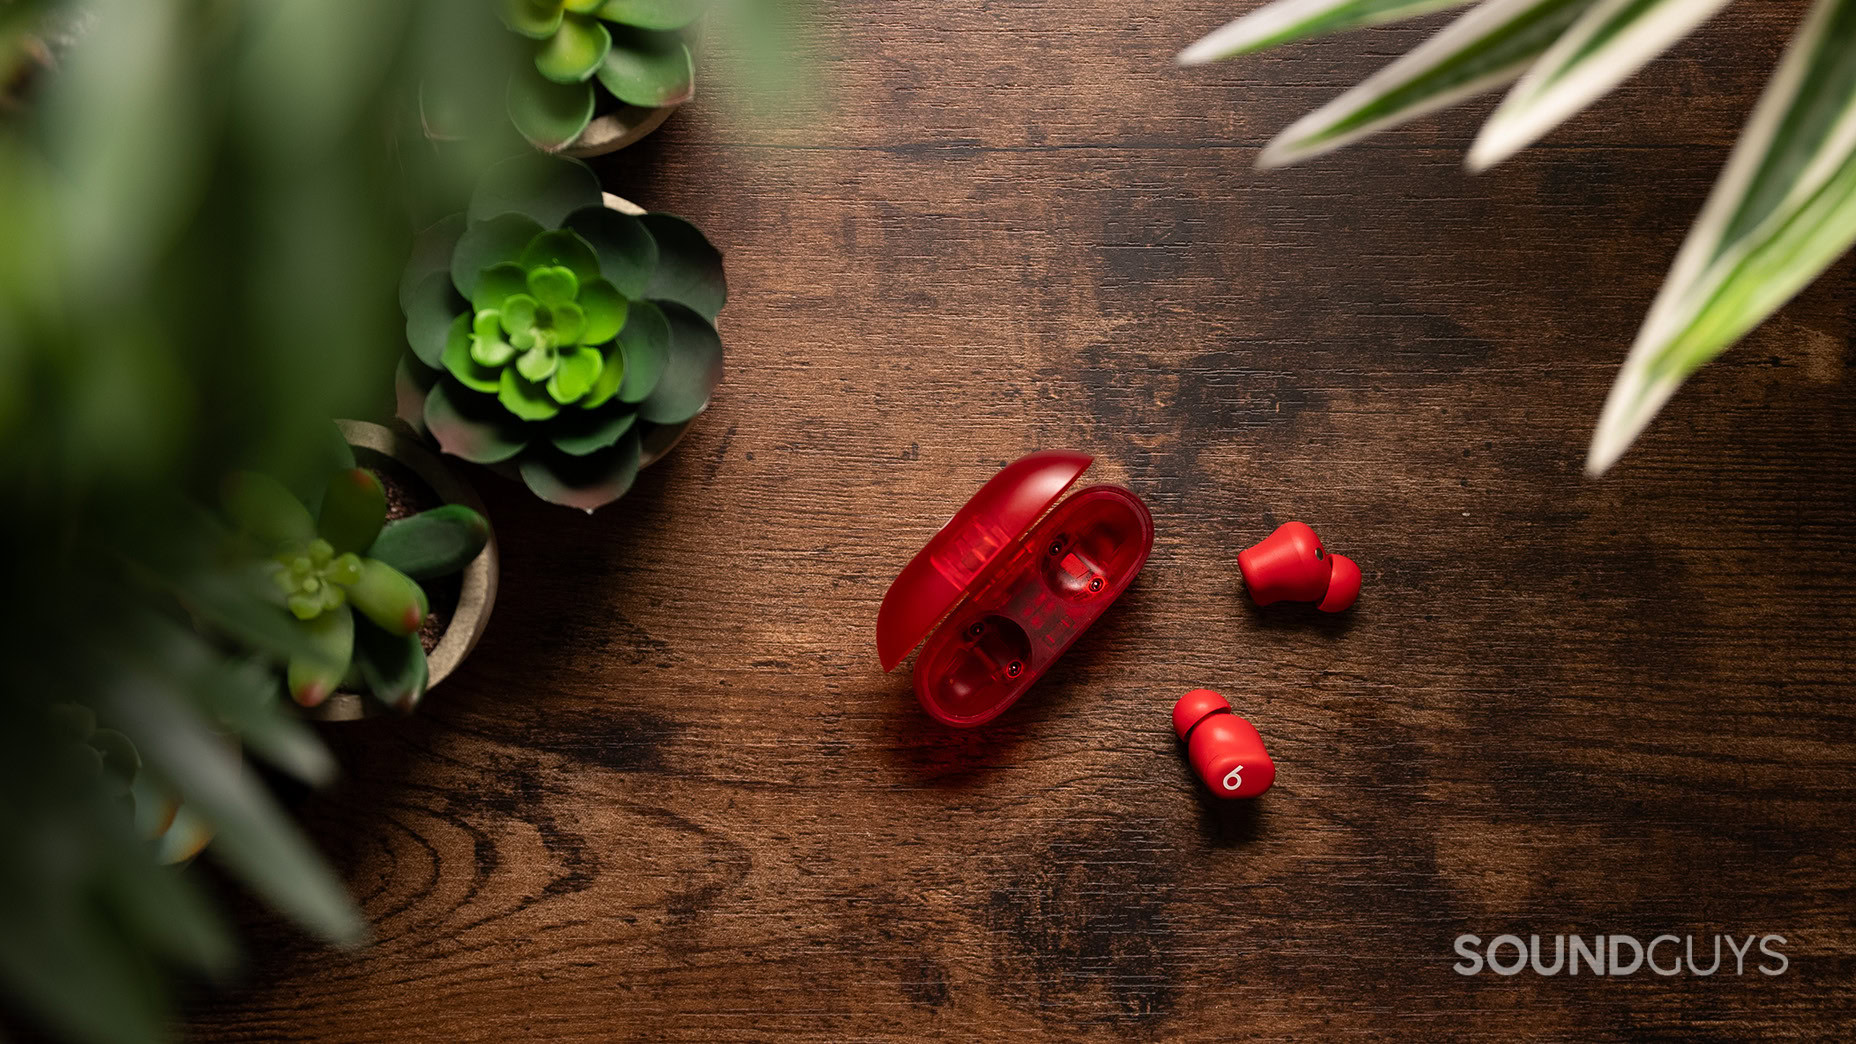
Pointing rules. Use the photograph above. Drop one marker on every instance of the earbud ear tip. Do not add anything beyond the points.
(1194, 707)
(1343, 584)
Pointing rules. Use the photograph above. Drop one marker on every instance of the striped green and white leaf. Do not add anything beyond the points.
(1609, 43)
(1783, 210)
(1485, 49)
(1286, 21)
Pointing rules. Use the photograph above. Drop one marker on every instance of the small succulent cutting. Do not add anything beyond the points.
(557, 338)
(345, 561)
(634, 49)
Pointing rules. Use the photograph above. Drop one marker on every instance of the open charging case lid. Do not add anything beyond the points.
(959, 559)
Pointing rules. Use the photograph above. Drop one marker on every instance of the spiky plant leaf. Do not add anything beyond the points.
(1289, 20)
(1612, 40)
(1783, 210)
(254, 837)
(1484, 49)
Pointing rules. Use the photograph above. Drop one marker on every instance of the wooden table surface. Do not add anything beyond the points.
(673, 796)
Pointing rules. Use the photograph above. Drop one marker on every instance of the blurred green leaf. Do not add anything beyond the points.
(1289, 20)
(1482, 50)
(254, 838)
(649, 69)
(1611, 41)
(1783, 210)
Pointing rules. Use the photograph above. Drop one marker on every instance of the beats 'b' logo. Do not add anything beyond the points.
(1234, 778)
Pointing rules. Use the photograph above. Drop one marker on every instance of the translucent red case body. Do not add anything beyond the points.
(1011, 582)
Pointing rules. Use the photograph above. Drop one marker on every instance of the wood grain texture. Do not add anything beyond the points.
(673, 797)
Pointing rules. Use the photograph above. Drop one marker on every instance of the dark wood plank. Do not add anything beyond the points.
(673, 796)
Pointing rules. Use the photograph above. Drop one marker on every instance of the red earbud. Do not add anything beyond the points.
(1224, 749)
(1291, 565)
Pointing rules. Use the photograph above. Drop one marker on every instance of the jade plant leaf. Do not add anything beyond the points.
(261, 506)
(627, 253)
(312, 676)
(431, 252)
(588, 431)
(428, 318)
(496, 283)
(353, 509)
(412, 382)
(575, 50)
(524, 397)
(1289, 20)
(574, 377)
(692, 371)
(652, 14)
(487, 245)
(648, 68)
(537, 364)
(432, 543)
(562, 248)
(544, 189)
(553, 285)
(463, 428)
(605, 310)
(462, 351)
(646, 342)
(689, 267)
(537, 19)
(388, 597)
(550, 115)
(393, 667)
(585, 482)
(611, 375)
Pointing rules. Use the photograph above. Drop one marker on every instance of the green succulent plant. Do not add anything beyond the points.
(634, 49)
(347, 560)
(106, 762)
(1783, 210)
(556, 337)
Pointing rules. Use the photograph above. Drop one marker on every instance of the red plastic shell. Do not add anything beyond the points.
(1225, 750)
(1011, 591)
(956, 558)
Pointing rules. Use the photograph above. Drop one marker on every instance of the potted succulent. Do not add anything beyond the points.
(602, 73)
(559, 334)
(390, 576)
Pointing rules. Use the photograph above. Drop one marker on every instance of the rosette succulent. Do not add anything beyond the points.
(634, 49)
(348, 561)
(556, 337)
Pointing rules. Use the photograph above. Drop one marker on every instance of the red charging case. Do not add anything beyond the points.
(1009, 583)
